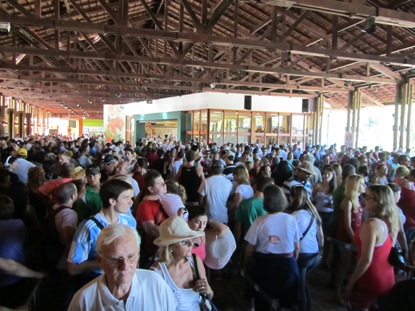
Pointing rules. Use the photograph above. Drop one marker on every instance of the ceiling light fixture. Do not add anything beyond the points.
(369, 25)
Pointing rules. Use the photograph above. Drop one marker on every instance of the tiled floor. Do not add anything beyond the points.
(229, 289)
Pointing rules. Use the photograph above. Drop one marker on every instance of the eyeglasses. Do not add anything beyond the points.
(115, 262)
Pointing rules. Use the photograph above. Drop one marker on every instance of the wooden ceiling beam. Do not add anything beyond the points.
(386, 71)
(21, 69)
(250, 92)
(102, 83)
(294, 25)
(159, 26)
(355, 10)
(217, 13)
(190, 63)
(192, 14)
(224, 41)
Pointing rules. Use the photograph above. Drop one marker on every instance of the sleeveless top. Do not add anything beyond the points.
(324, 202)
(379, 277)
(187, 298)
(355, 222)
(191, 182)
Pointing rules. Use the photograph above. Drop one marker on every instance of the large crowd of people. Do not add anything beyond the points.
(86, 214)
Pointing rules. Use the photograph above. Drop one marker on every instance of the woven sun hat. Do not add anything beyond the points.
(307, 167)
(219, 251)
(174, 230)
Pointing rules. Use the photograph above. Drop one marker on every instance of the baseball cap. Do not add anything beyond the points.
(92, 170)
(22, 151)
(108, 159)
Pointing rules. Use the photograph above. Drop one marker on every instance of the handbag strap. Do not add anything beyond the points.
(308, 228)
(196, 267)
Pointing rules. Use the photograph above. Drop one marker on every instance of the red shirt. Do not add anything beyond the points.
(150, 210)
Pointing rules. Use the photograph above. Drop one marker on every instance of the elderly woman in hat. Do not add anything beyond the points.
(176, 264)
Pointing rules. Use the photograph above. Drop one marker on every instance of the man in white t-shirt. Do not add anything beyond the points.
(215, 192)
(123, 286)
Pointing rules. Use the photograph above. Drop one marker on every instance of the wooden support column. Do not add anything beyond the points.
(348, 131)
(403, 114)
(403, 90)
(396, 125)
(353, 119)
(409, 100)
(318, 119)
(358, 107)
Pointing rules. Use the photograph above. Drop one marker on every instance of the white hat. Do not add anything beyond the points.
(219, 251)
(174, 230)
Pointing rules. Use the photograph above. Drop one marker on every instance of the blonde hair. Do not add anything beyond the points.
(176, 188)
(402, 171)
(338, 172)
(165, 255)
(351, 192)
(243, 175)
(386, 207)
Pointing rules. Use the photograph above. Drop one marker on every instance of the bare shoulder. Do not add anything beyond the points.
(318, 186)
(371, 224)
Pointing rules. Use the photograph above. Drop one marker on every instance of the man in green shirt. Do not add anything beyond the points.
(250, 209)
(90, 202)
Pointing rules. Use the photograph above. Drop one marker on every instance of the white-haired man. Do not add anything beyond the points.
(122, 286)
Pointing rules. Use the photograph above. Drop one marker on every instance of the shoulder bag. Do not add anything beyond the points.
(206, 303)
(397, 257)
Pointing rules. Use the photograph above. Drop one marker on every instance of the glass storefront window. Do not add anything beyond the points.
(216, 121)
(298, 125)
(203, 121)
(244, 122)
(244, 139)
(284, 124)
(229, 138)
(230, 121)
(253, 127)
(259, 123)
(196, 121)
(273, 121)
(259, 128)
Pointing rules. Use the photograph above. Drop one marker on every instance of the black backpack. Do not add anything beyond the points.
(52, 248)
